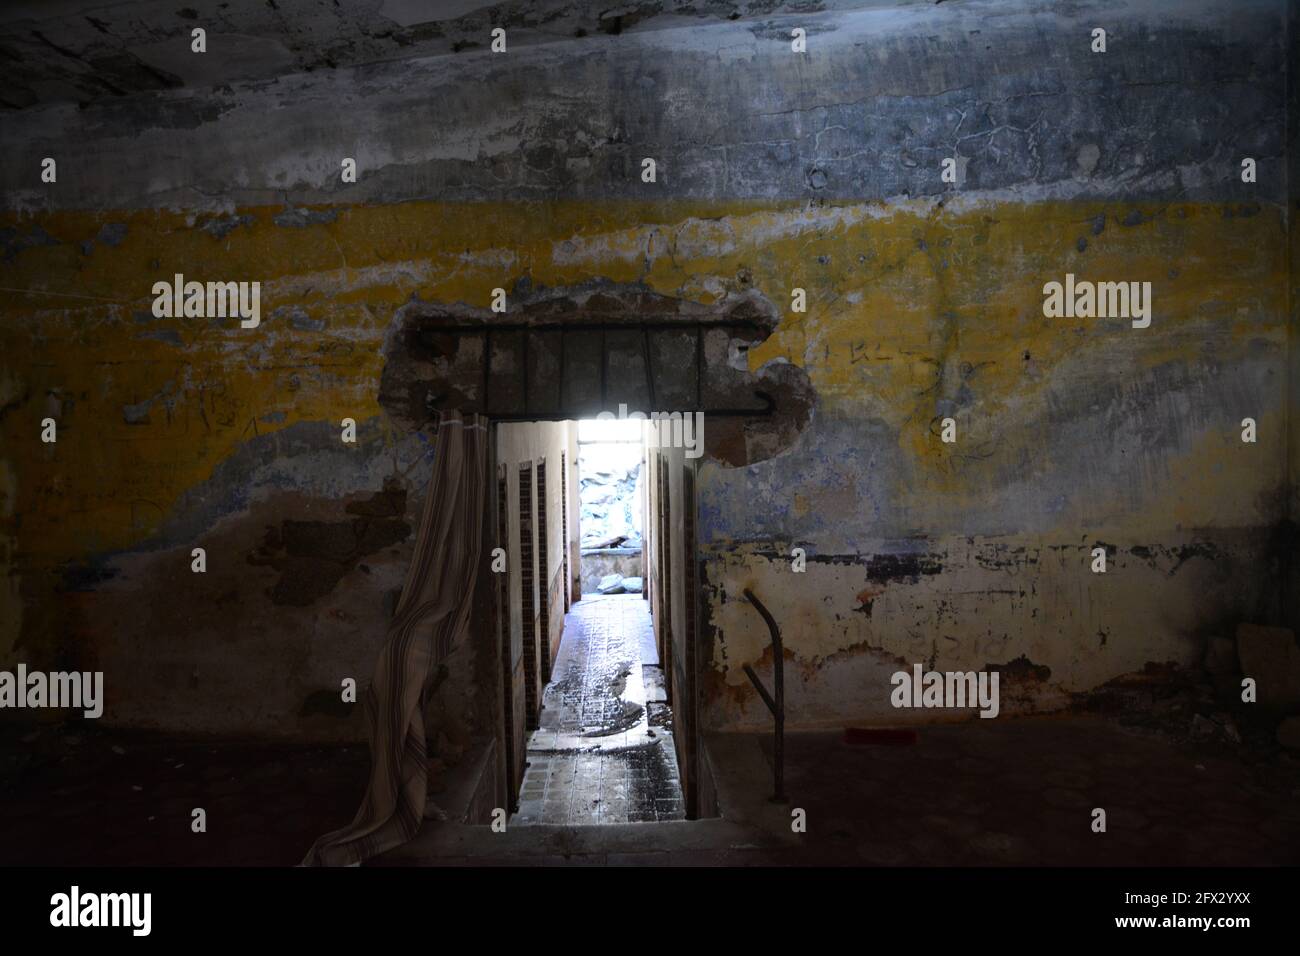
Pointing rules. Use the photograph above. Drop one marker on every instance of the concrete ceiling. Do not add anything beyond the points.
(81, 51)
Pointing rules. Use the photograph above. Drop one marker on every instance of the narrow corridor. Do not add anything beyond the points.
(603, 752)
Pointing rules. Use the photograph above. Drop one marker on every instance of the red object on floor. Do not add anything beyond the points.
(860, 735)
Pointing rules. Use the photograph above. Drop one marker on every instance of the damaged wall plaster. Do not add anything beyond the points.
(923, 303)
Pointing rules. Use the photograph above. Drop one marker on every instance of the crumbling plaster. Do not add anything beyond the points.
(924, 301)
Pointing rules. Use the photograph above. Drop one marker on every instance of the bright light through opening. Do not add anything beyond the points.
(611, 429)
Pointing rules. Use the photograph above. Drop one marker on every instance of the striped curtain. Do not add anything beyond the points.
(432, 616)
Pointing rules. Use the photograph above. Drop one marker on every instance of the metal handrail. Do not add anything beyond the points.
(776, 701)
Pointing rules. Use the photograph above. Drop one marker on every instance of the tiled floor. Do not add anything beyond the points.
(603, 752)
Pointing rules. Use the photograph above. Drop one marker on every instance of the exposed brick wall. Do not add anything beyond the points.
(571, 549)
(527, 548)
(543, 575)
(503, 632)
(684, 709)
(564, 527)
(666, 578)
(656, 548)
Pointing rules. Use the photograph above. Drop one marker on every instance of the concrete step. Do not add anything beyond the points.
(749, 829)
(442, 844)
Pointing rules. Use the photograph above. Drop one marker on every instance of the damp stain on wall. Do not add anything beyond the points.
(917, 311)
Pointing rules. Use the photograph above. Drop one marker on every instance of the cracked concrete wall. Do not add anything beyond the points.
(77, 51)
(726, 109)
(776, 170)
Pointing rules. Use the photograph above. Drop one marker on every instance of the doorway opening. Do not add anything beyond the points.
(590, 730)
(611, 469)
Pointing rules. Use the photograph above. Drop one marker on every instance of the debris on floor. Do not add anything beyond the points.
(611, 584)
(594, 757)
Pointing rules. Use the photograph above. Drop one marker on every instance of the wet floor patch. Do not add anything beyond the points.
(603, 752)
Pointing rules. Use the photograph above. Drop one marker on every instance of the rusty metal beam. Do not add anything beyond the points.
(487, 330)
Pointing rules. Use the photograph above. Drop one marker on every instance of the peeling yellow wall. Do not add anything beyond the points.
(907, 305)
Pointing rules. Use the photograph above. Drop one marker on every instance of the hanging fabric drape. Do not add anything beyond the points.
(432, 616)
